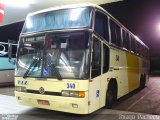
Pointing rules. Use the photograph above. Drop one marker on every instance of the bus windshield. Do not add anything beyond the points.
(54, 55)
(58, 20)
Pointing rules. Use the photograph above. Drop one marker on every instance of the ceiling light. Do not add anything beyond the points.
(18, 3)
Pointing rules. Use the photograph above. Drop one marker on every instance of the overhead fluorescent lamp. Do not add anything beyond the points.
(17, 3)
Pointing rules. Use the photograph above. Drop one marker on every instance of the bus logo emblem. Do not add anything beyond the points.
(21, 82)
(41, 90)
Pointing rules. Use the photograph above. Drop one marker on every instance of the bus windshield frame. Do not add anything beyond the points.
(62, 55)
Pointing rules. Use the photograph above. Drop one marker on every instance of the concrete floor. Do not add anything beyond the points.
(142, 101)
(7, 91)
(132, 107)
(17, 112)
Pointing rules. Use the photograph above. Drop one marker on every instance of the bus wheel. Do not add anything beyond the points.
(109, 98)
(142, 82)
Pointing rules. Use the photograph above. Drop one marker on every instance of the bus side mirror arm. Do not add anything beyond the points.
(10, 52)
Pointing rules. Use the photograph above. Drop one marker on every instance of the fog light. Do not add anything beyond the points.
(74, 105)
(20, 89)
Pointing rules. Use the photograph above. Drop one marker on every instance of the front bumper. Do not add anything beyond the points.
(57, 103)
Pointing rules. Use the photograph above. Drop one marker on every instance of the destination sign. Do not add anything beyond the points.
(35, 39)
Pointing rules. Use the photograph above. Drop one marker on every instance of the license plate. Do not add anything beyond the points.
(43, 102)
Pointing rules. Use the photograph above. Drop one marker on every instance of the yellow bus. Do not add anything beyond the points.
(77, 59)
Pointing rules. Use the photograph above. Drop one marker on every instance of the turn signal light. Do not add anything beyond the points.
(20, 89)
(81, 94)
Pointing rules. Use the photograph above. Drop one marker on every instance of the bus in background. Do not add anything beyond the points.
(6, 68)
(77, 59)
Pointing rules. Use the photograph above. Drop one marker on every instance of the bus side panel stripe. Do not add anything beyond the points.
(133, 71)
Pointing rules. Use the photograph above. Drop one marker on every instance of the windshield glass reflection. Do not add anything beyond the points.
(64, 55)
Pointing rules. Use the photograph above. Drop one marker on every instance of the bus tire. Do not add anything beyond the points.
(111, 96)
(142, 81)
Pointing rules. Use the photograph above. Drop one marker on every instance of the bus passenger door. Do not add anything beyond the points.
(95, 77)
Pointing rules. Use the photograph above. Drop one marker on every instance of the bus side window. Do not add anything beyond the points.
(132, 44)
(128, 41)
(140, 49)
(124, 39)
(143, 51)
(96, 58)
(105, 58)
(118, 35)
(101, 25)
(137, 47)
(115, 33)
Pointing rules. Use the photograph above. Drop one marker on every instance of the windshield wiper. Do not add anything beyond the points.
(54, 69)
(58, 75)
(32, 65)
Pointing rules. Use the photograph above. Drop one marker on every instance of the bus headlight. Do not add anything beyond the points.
(20, 89)
(65, 93)
(78, 94)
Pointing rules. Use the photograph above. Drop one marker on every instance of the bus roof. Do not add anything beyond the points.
(65, 7)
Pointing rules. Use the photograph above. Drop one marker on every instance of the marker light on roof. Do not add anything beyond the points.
(17, 3)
